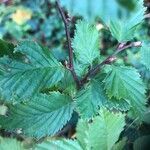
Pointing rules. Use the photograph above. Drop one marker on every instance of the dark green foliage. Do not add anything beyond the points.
(93, 92)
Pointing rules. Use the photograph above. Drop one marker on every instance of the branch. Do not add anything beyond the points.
(66, 23)
(67, 30)
(121, 47)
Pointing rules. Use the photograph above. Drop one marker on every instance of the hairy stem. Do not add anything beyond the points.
(121, 47)
(67, 30)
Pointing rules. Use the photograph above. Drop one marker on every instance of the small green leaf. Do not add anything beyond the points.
(102, 132)
(67, 84)
(10, 144)
(80, 68)
(43, 115)
(124, 82)
(86, 43)
(26, 78)
(123, 30)
(59, 145)
(145, 55)
(89, 99)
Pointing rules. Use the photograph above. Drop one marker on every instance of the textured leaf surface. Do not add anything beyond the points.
(26, 78)
(10, 144)
(125, 82)
(123, 30)
(102, 133)
(67, 84)
(86, 42)
(88, 100)
(80, 68)
(59, 145)
(115, 104)
(145, 55)
(43, 115)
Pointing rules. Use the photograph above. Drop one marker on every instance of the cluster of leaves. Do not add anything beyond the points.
(40, 95)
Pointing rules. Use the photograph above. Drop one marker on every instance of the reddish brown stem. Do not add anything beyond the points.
(121, 47)
(67, 30)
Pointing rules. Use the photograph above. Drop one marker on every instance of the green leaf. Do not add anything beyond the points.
(146, 117)
(89, 99)
(10, 144)
(80, 68)
(90, 9)
(124, 29)
(115, 104)
(102, 132)
(42, 116)
(120, 145)
(145, 55)
(86, 43)
(59, 144)
(124, 82)
(67, 84)
(26, 78)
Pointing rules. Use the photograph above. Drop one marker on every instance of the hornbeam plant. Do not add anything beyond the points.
(41, 94)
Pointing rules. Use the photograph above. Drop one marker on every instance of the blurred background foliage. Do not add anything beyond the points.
(39, 20)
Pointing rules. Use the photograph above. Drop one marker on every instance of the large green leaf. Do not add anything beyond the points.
(10, 144)
(102, 132)
(125, 82)
(86, 42)
(124, 29)
(89, 99)
(42, 116)
(59, 145)
(145, 55)
(25, 78)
